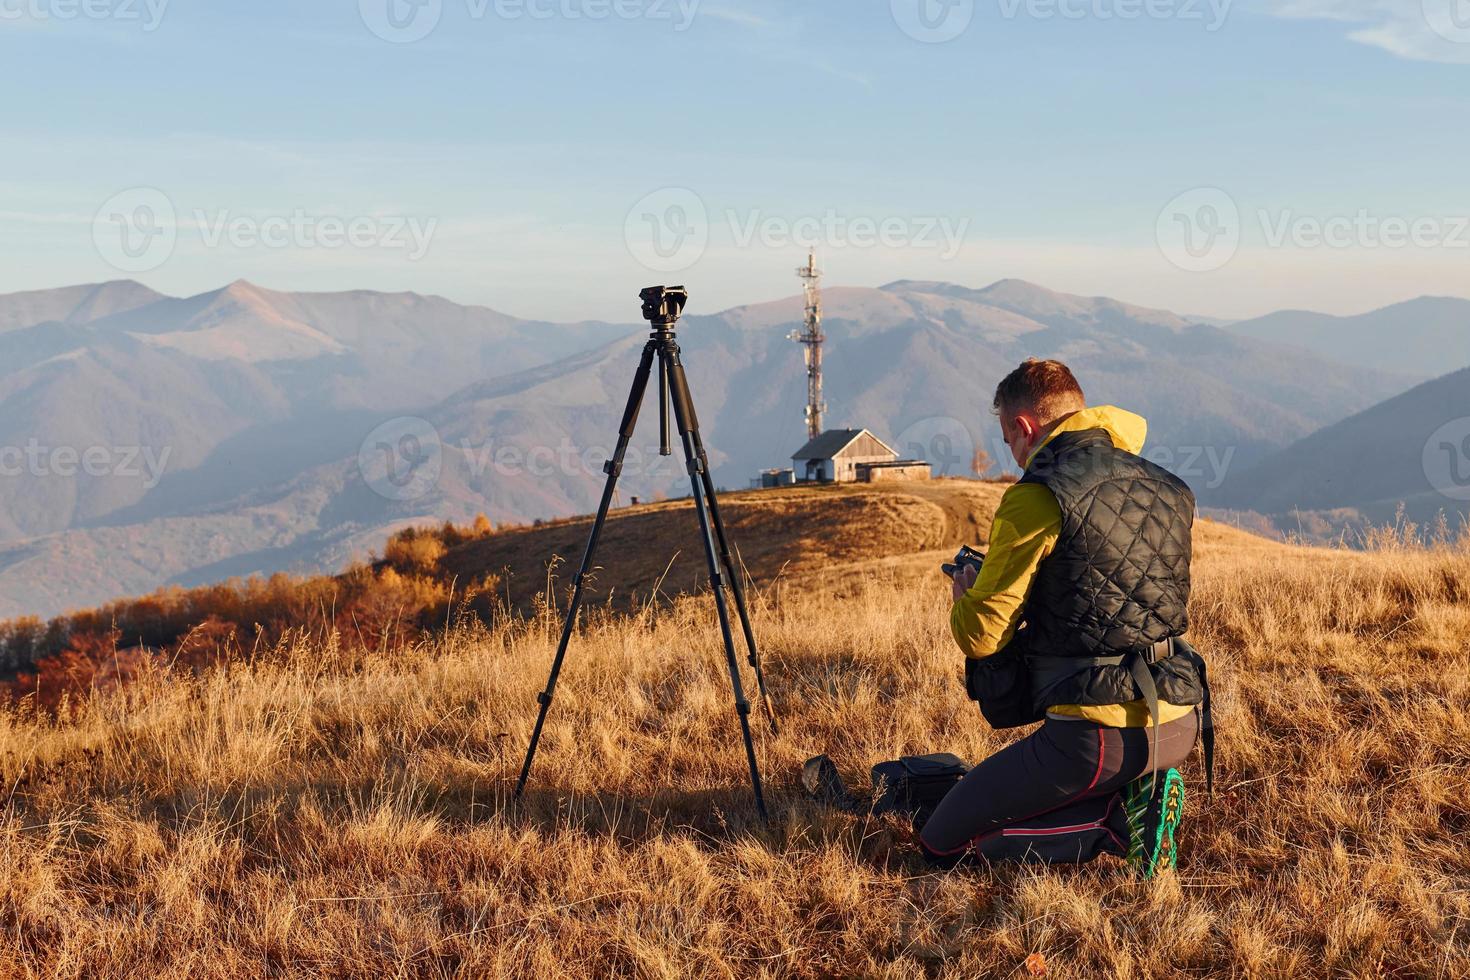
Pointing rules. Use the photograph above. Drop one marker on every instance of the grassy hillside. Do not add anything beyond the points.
(332, 810)
(785, 537)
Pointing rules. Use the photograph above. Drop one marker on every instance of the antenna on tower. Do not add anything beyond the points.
(811, 336)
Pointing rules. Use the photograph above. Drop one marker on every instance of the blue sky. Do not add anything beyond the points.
(548, 157)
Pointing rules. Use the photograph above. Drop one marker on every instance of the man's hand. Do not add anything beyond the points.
(964, 577)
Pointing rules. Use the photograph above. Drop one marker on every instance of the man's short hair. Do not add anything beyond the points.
(1045, 389)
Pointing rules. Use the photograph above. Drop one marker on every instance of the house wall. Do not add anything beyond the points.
(887, 474)
(814, 469)
(846, 467)
(866, 447)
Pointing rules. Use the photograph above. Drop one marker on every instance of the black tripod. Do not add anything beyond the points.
(662, 306)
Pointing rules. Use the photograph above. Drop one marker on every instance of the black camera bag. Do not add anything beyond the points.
(1001, 684)
(915, 784)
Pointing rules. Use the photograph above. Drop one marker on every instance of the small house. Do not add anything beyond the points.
(835, 455)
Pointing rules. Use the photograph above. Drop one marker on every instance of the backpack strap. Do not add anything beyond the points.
(1045, 670)
(1138, 666)
(1206, 721)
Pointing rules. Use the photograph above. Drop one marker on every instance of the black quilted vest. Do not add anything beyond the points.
(1118, 578)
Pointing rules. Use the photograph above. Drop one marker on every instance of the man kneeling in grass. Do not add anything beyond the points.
(1076, 620)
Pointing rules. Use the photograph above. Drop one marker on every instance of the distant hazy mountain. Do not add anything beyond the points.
(1424, 336)
(1412, 449)
(72, 304)
(222, 392)
(264, 400)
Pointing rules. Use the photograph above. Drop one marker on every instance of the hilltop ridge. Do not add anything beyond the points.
(804, 537)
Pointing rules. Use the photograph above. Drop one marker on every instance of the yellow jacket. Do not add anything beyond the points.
(1026, 527)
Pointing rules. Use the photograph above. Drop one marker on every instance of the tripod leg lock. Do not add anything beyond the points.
(742, 708)
(613, 467)
(695, 467)
(543, 699)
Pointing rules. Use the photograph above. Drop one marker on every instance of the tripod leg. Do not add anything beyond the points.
(737, 585)
(684, 418)
(613, 468)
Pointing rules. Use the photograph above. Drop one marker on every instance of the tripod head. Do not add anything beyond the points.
(662, 305)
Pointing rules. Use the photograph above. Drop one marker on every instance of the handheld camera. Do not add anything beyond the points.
(966, 556)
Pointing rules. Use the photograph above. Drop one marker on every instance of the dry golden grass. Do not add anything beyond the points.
(786, 534)
(331, 813)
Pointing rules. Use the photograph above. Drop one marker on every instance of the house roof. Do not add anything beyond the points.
(831, 443)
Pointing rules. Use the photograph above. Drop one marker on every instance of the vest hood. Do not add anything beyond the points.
(1127, 429)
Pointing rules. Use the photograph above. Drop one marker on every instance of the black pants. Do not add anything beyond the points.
(1061, 763)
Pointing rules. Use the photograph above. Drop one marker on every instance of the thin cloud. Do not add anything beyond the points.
(781, 41)
(742, 17)
(1417, 30)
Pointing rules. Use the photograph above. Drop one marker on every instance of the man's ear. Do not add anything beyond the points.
(1026, 425)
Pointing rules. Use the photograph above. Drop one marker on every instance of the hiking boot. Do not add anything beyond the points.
(822, 781)
(1154, 806)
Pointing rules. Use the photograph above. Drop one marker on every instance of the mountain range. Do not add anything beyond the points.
(1425, 336)
(270, 430)
(1411, 452)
